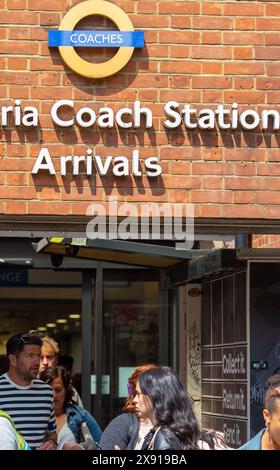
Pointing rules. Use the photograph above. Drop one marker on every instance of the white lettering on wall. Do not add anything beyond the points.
(234, 364)
(137, 116)
(234, 401)
(92, 164)
(232, 435)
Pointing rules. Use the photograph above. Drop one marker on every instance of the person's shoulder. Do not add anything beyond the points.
(8, 439)
(122, 420)
(41, 385)
(5, 422)
(4, 379)
(254, 443)
(76, 410)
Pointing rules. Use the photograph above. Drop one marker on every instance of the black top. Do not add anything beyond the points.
(121, 431)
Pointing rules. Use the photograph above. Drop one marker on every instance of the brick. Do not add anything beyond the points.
(19, 17)
(209, 68)
(48, 208)
(246, 38)
(243, 211)
(211, 38)
(243, 53)
(244, 183)
(268, 83)
(213, 52)
(268, 197)
(180, 22)
(246, 9)
(16, 207)
(49, 19)
(149, 21)
(243, 68)
(246, 24)
(17, 63)
(212, 9)
(180, 8)
(219, 197)
(244, 83)
(211, 81)
(216, 23)
(17, 4)
(146, 7)
(52, 79)
(19, 48)
(19, 33)
(272, 39)
(178, 37)
(188, 67)
(272, 10)
(18, 78)
(180, 51)
(270, 53)
(38, 5)
(213, 182)
(244, 197)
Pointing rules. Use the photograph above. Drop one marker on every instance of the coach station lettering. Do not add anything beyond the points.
(65, 114)
(234, 363)
(130, 117)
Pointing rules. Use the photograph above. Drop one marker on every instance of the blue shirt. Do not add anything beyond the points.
(255, 443)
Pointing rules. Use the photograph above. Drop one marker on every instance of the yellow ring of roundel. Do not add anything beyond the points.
(70, 56)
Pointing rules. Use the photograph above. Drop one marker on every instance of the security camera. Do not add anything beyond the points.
(72, 250)
(56, 260)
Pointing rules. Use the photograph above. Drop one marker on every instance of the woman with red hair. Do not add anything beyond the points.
(126, 431)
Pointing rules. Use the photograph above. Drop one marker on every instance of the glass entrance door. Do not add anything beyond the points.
(130, 333)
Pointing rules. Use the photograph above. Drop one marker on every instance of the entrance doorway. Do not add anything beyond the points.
(44, 300)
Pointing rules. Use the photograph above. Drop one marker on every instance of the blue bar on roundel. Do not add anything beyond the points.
(96, 38)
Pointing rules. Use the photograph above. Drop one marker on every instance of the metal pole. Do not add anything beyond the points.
(163, 321)
(86, 337)
(98, 341)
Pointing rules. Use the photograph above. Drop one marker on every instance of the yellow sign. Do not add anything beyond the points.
(113, 13)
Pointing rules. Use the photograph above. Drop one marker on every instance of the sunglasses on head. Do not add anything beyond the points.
(26, 338)
(274, 393)
(130, 390)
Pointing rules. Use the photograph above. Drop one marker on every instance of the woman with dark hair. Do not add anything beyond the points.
(269, 437)
(126, 431)
(160, 397)
(72, 421)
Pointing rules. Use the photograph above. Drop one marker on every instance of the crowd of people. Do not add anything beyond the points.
(40, 409)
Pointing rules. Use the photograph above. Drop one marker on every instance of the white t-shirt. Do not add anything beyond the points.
(65, 436)
(8, 440)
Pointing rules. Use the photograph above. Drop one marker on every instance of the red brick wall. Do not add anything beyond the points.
(203, 53)
(266, 241)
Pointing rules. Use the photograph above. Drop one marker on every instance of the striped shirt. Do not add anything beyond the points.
(31, 408)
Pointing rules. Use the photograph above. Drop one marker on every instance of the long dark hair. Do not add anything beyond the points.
(172, 407)
(52, 373)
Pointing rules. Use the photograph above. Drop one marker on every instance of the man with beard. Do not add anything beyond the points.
(28, 400)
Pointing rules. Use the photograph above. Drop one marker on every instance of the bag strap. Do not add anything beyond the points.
(152, 442)
(150, 439)
(130, 426)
